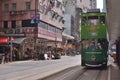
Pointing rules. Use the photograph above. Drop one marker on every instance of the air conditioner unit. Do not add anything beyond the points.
(13, 12)
(20, 12)
(19, 30)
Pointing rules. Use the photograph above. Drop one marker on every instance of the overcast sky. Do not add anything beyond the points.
(100, 4)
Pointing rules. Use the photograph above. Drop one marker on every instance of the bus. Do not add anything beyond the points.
(94, 39)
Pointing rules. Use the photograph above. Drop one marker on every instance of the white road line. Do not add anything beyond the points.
(109, 72)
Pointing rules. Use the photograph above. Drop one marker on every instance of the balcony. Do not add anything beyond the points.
(17, 32)
(12, 31)
(21, 12)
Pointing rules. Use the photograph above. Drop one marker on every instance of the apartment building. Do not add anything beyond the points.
(86, 4)
(40, 21)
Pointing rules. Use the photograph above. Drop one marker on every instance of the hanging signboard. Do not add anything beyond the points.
(3, 40)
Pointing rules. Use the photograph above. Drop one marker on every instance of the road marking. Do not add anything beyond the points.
(109, 72)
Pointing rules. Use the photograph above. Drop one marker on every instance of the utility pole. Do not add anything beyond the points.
(11, 48)
(55, 43)
(35, 26)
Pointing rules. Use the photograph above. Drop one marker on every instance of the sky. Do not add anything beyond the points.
(100, 4)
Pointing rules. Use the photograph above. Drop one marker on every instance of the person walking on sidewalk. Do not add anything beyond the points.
(7, 57)
(3, 58)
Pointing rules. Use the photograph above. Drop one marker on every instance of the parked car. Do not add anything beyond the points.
(41, 56)
(56, 56)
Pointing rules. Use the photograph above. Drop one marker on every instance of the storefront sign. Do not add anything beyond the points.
(3, 40)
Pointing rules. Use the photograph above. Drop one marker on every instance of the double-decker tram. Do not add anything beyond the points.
(94, 39)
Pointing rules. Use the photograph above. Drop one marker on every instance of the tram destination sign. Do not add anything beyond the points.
(93, 10)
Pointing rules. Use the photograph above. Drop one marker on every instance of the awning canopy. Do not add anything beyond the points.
(18, 40)
(68, 36)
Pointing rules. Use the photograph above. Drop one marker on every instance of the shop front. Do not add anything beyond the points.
(67, 46)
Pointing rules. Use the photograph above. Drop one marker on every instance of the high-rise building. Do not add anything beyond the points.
(73, 9)
(104, 6)
(84, 4)
(93, 4)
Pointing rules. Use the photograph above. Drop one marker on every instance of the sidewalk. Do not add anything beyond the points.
(113, 71)
(17, 62)
(24, 61)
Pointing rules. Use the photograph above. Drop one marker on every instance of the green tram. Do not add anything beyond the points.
(94, 39)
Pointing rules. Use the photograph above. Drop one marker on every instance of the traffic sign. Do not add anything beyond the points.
(35, 18)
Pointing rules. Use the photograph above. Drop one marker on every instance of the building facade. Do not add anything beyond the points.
(104, 6)
(73, 9)
(40, 21)
(93, 4)
(84, 4)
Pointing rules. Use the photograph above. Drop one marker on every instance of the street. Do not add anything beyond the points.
(83, 73)
(32, 70)
(78, 73)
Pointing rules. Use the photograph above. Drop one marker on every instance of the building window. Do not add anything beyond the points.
(6, 7)
(43, 25)
(5, 24)
(13, 24)
(28, 6)
(27, 23)
(58, 31)
(58, 4)
(14, 7)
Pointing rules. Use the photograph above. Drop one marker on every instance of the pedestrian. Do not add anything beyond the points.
(35, 55)
(46, 56)
(3, 58)
(99, 46)
(7, 58)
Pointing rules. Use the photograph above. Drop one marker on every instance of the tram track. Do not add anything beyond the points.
(98, 75)
(78, 73)
(66, 74)
(91, 75)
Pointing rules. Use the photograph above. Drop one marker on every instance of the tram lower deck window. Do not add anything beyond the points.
(102, 19)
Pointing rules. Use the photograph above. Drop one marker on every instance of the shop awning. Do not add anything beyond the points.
(18, 40)
(68, 36)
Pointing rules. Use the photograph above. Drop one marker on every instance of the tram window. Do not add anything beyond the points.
(89, 44)
(85, 44)
(84, 20)
(92, 20)
(103, 43)
(92, 44)
(102, 19)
